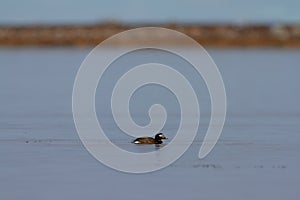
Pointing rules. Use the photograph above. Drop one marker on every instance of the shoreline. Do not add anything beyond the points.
(228, 35)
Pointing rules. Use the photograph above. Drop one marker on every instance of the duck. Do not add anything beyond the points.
(149, 140)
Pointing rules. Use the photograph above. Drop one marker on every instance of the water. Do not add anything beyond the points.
(257, 156)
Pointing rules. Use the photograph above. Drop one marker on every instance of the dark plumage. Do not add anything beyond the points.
(149, 140)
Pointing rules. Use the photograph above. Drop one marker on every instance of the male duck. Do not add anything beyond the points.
(149, 140)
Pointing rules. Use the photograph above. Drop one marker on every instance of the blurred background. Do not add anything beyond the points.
(255, 45)
(135, 11)
(218, 23)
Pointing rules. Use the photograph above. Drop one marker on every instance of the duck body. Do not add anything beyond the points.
(149, 140)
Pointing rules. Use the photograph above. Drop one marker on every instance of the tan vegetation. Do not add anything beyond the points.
(207, 35)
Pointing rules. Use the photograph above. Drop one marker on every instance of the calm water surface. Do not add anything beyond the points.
(257, 156)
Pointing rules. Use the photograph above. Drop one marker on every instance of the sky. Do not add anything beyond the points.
(149, 11)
